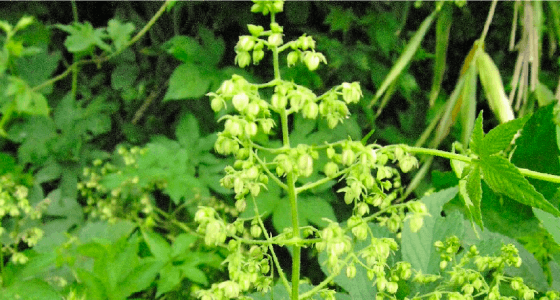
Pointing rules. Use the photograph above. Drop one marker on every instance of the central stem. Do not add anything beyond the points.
(291, 186)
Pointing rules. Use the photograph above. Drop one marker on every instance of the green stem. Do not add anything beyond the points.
(291, 184)
(464, 158)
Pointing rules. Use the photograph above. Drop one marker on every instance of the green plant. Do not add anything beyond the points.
(372, 185)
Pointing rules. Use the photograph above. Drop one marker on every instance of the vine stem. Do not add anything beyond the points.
(291, 185)
(464, 158)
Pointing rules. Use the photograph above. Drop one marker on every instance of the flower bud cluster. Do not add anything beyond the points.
(248, 269)
(336, 243)
(298, 161)
(463, 282)
(213, 228)
(244, 177)
(107, 203)
(15, 205)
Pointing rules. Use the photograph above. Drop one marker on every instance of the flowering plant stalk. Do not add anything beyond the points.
(370, 173)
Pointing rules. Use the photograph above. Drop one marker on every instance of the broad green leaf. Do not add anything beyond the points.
(83, 37)
(119, 33)
(138, 279)
(504, 178)
(184, 48)
(500, 137)
(34, 135)
(214, 47)
(157, 244)
(340, 19)
(37, 267)
(93, 250)
(314, 209)
(418, 248)
(34, 289)
(169, 278)
(550, 223)
(194, 274)
(443, 27)
(477, 136)
(103, 231)
(182, 244)
(405, 57)
(537, 149)
(187, 82)
(506, 216)
(94, 287)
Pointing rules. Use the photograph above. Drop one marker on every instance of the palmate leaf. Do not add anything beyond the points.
(504, 178)
(499, 138)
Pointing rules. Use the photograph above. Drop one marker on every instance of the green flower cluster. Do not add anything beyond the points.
(124, 200)
(16, 215)
(249, 267)
(370, 171)
(475, 276)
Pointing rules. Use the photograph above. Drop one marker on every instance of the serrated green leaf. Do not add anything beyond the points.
(504, 178)
(138, 279)
(182, 244)
(94, 287)
(158, 245)
(474, 190)
(30, 290)
(83, 37)
(340, 19)
(194, 274)
(477, 136)
(187, 82)
(119, 33)
(471, 193)
(314, 209)
(500, 137)
(169, 278)
(184, 48)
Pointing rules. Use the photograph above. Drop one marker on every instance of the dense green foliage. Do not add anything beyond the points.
(271, 150)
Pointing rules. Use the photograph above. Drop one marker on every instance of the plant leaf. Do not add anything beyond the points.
(158, 245)
(187, 81)
(504, 178)
(477, 136)
(537, 149)
(500, 137)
